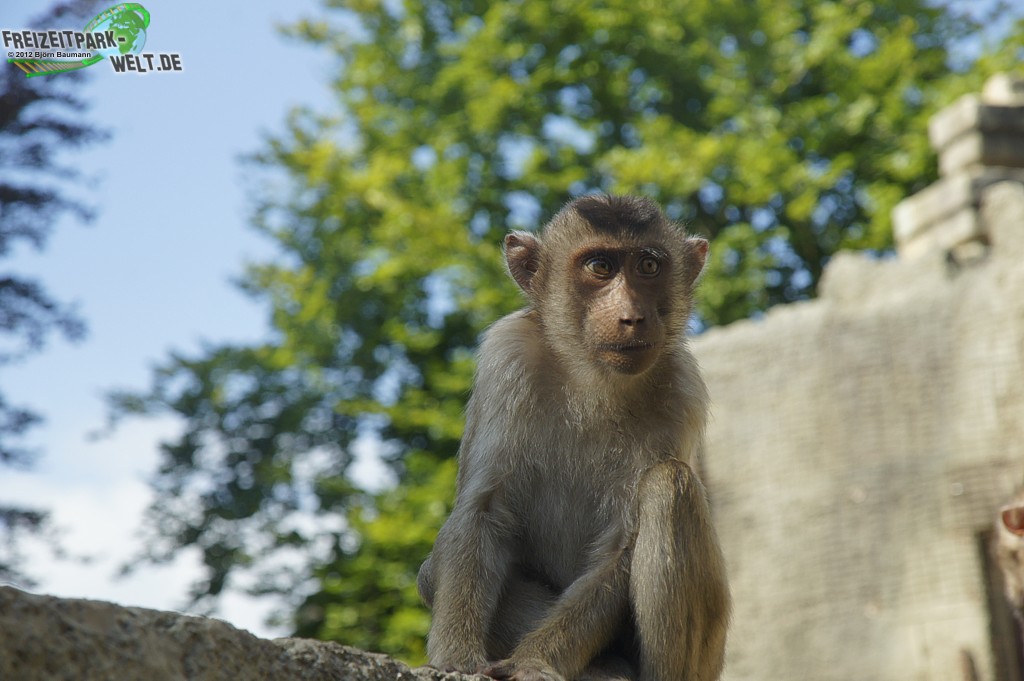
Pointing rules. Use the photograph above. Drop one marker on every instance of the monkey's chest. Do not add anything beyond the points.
(565, 525)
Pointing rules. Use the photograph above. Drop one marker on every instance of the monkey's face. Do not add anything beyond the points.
(624, 297)
(610, 280)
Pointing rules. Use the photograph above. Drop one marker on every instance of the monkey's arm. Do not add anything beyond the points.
(470, 562)
(582, 622)
(474, 551)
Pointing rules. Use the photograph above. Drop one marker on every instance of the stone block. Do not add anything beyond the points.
(1004, 90)
(970, 113)
(956, 229)
(916, 213)
(1002, 210)
(945, 197)
(983, 148)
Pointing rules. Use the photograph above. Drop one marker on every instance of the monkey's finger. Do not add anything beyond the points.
(503, 669)
(497, 670)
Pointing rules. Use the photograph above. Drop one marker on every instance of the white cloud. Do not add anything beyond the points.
(98, 512)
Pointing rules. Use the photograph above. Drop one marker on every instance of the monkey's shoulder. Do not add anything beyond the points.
(510, 348)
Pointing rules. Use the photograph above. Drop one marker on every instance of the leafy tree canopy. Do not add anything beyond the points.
(784, 130)
(39, 118)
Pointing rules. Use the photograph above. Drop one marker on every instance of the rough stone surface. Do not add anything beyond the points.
(1003, 211)
(980, 141)
(52, 639)
(980, 148)
(970, 113)
(936, 203)
(859, 447)
(1003, 89)
(944, 235)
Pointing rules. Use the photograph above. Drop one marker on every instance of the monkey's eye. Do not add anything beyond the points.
(648, 266)
(599, 266)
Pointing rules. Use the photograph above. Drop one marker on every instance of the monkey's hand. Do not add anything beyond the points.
(522, 671)
(465, 661)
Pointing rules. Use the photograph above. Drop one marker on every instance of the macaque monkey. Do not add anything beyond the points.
(1010, 552)
(580, 545)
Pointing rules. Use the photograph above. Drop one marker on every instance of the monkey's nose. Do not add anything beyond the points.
(632, 319)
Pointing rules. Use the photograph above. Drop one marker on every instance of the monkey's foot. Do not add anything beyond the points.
(515, 671)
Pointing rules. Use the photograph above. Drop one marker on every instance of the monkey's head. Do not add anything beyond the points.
(611, 276)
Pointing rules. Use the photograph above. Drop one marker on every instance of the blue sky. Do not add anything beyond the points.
(152, 273)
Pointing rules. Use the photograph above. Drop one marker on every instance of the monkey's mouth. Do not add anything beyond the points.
(628, 346)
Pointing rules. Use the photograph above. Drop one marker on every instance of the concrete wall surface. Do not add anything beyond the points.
(859, 448)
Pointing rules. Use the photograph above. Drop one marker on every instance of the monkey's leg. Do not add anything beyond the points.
(425, 581)
(469, 565)
(608, 668)
(523, 605)
(677, 583)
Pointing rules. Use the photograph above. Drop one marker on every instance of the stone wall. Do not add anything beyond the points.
(861, 442)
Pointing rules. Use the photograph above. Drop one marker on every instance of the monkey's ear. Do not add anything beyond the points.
(697, 254)
(1013, 520)
(522, 255)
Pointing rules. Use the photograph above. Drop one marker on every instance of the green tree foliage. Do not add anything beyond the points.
(783, 130)
(39, 118)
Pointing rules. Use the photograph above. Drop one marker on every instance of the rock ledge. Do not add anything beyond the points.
(52, 639)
